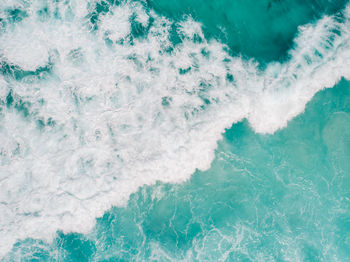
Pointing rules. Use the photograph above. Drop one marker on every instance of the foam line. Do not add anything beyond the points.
(120, 107)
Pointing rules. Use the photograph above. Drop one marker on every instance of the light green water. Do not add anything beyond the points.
(268, 197)
(281, 197)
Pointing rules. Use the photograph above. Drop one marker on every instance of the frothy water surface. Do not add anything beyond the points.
(261, 29)
(98, 99)
(281, 197)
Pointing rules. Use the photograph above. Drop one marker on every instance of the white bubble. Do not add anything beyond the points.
(110, 118)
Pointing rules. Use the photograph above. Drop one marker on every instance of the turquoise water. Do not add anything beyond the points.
(129, 132)
(261, 29)
(281, 197)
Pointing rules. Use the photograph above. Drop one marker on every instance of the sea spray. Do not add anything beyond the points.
(91, 111)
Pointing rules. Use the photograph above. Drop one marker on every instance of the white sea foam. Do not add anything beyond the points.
(112, 116)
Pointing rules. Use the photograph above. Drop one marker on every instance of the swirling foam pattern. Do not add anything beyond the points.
(97, 99)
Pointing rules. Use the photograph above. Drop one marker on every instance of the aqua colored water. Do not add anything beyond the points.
(185, 131)
(281, 197)
(261, 29)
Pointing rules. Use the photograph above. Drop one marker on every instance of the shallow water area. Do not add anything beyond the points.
(110, 117)
(281, 197)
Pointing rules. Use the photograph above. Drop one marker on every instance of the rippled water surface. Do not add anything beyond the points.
(174, 130)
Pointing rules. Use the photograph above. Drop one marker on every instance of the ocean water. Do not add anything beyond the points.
(261, 29)
(186, 131)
